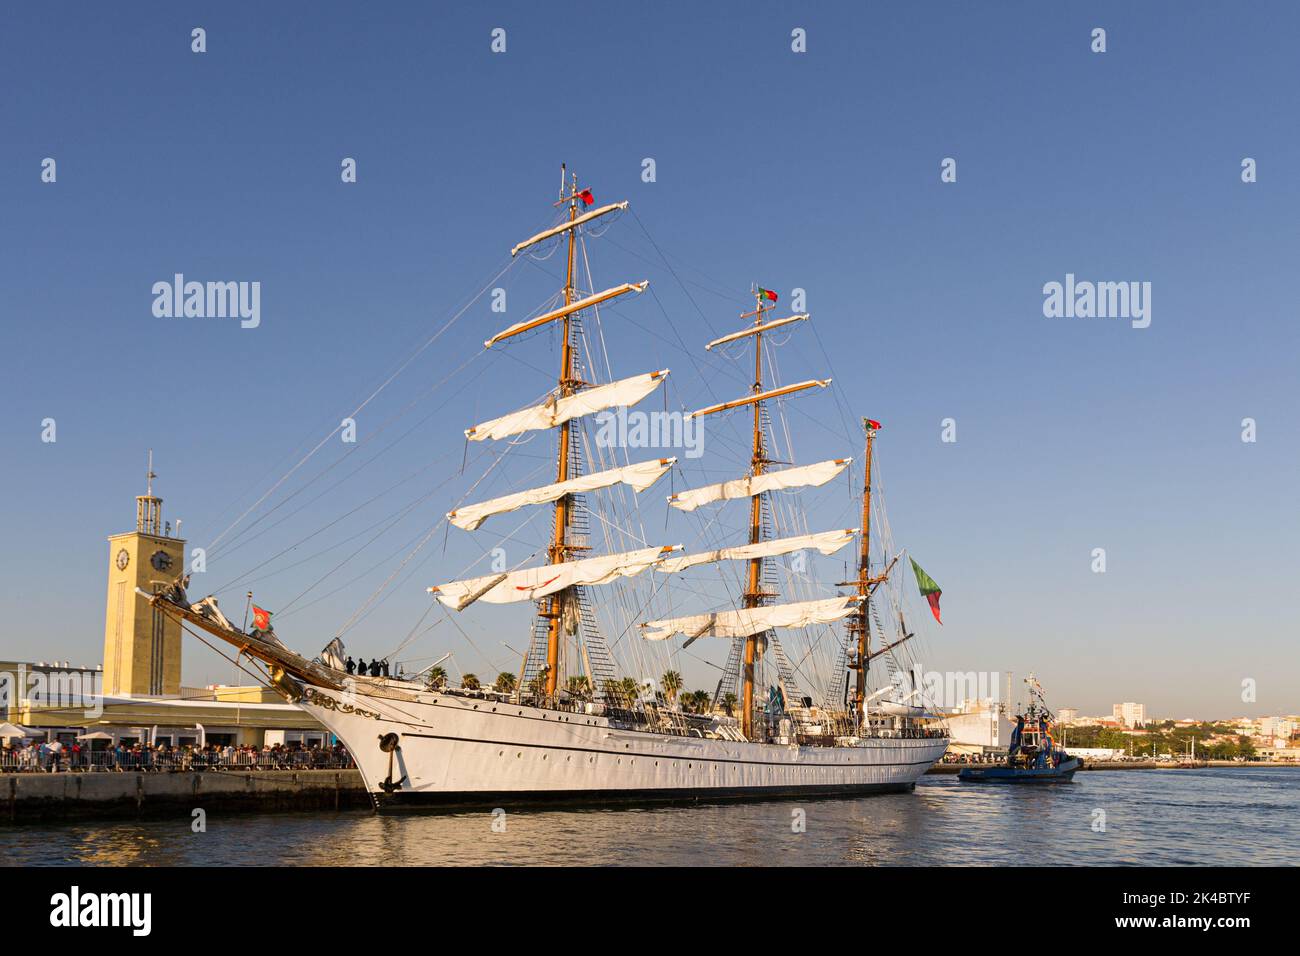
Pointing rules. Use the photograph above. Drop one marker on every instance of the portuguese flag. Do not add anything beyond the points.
(875, 426)
(767, 294)
(262, 618)
(586, 197)
(929, 589)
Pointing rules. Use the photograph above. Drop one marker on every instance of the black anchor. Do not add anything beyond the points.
(388, 743)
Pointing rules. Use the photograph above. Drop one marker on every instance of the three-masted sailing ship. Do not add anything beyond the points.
(570, 729)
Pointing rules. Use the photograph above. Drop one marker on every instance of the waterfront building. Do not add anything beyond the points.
(136, 696)
(1067, 715)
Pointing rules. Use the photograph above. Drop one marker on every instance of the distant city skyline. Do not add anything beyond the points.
(821, 170)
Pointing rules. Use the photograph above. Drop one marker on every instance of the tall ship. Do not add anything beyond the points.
(808, 702)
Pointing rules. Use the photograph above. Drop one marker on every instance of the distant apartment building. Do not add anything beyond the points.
(1130, 714)
(1281, 727)
(1068, 715)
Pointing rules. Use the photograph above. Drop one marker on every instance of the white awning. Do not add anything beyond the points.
(747, 621)
(553, 411)
(639, 477)
(827, 542)
(805, 476)
(530, 584)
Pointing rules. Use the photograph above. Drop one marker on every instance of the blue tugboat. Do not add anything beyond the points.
(1033, 756)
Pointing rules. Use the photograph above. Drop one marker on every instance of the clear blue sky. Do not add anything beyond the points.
(818, 170)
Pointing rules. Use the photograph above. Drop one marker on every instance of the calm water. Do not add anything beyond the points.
(1211, 816)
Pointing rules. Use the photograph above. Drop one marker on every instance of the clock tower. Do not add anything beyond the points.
(142, 647)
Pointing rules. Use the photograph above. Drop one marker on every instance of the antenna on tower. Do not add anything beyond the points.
(149, 476)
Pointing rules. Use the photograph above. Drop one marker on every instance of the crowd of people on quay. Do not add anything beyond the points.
(53, 756)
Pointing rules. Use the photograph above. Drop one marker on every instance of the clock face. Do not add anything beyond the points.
(161, 560)
(122, 560)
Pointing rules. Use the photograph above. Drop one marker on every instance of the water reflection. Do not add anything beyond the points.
(1213, 816)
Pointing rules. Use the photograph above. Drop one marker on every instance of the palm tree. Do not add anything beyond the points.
(728, 702)
(702, 700)
(578, 686)
(438, 677)
(505, 683)
(470, 682)
(671, 682)
(630, 689)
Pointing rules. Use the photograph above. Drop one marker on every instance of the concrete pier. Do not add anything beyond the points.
(52, 796)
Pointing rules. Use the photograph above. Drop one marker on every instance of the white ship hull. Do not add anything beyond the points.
(455, 751)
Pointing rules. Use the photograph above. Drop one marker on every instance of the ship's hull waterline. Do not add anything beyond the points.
(457, 752)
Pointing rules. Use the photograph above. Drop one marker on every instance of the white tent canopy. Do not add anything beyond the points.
(8, 730)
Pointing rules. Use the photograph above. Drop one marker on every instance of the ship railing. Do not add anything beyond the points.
(623, 711)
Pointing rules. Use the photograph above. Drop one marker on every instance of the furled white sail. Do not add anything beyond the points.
(827, 542)
(639, 477)
(555, 411)
(565, 227)
(540, 320)
(805, 476)
(530, 584)
(756, 329)
(747, 621)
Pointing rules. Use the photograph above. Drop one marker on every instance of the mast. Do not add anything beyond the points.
(860, 623)
(753, 593)
(560, 548)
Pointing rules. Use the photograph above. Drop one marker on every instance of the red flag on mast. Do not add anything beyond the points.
(261, 619)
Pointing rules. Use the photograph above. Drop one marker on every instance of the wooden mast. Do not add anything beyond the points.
(860, 624)
(559, 549)
(753, 594)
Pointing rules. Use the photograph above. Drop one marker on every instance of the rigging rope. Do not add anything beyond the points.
(334, 431)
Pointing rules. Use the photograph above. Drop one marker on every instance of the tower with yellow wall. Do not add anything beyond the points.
(142, 647)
